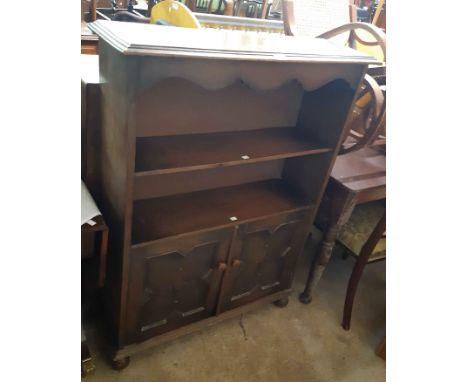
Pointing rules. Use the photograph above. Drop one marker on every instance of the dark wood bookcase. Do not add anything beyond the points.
(216, 147)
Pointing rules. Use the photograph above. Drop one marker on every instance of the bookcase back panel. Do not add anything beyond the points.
(217, 74)
(324, 111)
(177, 106)
(305, 174)
(146, 187)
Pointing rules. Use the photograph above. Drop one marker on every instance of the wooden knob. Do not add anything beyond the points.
(222, 266)
(236, 263)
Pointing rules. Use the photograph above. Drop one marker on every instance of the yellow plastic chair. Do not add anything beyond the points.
(173, 13)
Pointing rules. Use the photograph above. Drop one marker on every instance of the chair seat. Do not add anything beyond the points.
(360, 225)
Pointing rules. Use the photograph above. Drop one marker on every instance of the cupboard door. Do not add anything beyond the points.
(175, 282)
(263, 258)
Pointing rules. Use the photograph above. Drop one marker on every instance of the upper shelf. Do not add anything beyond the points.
(154, 40)
(177, 153)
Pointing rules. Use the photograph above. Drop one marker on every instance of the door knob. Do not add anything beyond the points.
(236, 263)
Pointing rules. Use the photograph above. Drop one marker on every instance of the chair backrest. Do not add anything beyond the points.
(174, 13)
(314, 17)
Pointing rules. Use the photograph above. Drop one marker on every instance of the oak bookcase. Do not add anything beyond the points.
(216, 147)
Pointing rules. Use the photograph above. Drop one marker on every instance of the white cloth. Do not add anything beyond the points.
(89, 209)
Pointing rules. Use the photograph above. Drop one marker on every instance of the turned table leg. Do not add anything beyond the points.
(326, 248)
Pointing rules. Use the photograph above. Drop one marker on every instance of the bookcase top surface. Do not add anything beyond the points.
(154, 40)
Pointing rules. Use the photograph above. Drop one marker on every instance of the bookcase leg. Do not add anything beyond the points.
(87, 365)
(121, 363)
(282, 302)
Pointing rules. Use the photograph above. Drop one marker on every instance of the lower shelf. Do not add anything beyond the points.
(157, 218)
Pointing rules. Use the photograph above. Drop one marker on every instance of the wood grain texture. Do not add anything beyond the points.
(153, 186)
(364, 169)
(154, 40)
(190, 152)
(178, 115)
(168, 216)
(90, 124)
(236, 107)
(175, 283)
(197, 326)
(117, 164)
(264, 254)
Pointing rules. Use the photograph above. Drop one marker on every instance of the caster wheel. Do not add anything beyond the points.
(87, 368)
(120, 364)
(305, 299)
(282, 302)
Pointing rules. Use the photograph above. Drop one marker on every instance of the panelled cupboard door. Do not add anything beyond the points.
(263, 258)
(175, 282)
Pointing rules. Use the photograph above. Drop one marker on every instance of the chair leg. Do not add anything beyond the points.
(358, 269)
(351, 292)
(382, 348)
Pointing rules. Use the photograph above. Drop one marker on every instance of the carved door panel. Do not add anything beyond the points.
(175, 282)
(263, 258)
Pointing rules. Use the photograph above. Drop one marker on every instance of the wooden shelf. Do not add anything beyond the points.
(178, 153)
(157, 218)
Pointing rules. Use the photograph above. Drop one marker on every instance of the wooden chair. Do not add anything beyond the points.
(367, 126)
(252, 8)
(336, 20)
(363, 236)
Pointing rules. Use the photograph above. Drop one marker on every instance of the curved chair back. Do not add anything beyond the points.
(317, 18)
(335, 20)
(314, 17)
(170, 12)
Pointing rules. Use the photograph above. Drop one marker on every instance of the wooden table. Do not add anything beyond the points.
(93, 272)
(356, 178)
(89, 41)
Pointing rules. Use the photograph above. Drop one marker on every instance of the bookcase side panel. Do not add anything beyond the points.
(117, 76)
